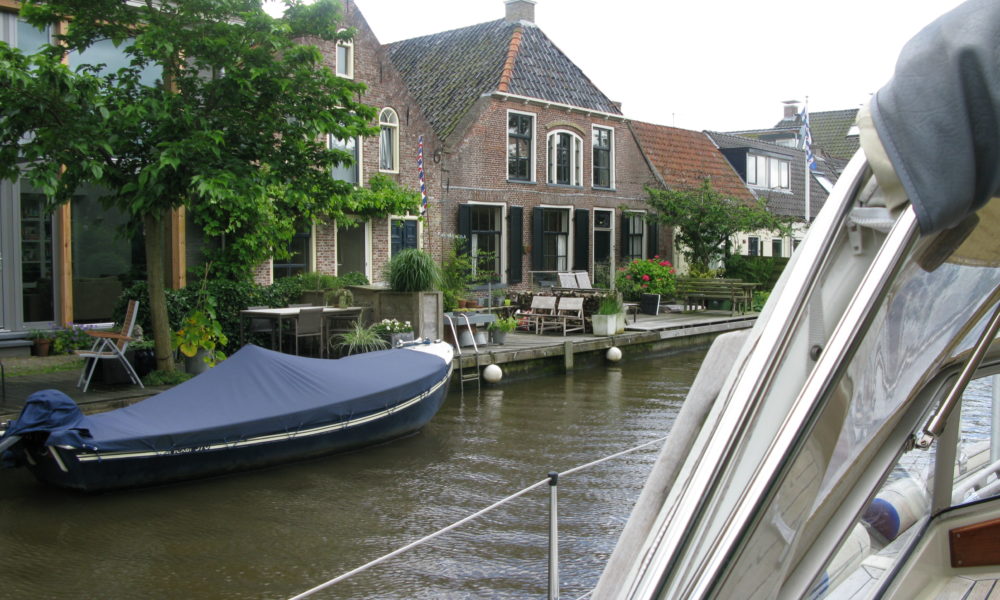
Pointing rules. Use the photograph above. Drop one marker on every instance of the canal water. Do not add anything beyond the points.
(278, 532)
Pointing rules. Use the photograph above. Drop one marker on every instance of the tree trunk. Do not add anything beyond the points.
(153, 224)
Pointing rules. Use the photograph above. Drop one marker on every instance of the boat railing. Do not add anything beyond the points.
(552, 481)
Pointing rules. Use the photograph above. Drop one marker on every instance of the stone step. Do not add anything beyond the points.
(15, 348)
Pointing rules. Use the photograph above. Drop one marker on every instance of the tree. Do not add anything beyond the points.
(222, 110)
(706, 221)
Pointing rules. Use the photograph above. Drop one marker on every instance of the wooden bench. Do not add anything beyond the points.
(695, 293)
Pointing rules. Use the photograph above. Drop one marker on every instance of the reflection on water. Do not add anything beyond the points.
(275, 533)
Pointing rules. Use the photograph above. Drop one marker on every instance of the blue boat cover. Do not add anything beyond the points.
(254, 392)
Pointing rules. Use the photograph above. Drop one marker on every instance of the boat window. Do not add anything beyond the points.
(912, 335)
(889, 524)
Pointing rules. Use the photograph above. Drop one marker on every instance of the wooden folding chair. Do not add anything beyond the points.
(541, 306)
(568, 317)
(110, 345)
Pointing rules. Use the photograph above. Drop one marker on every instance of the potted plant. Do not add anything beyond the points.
(200, 336)
(501, 327)
(358, 340)
(605, 321)
(394, 331)
(43, 341)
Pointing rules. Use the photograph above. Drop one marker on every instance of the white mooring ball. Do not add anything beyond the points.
(492, 374)
(613, 354)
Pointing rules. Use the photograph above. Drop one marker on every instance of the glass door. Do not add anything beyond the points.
(37, 275)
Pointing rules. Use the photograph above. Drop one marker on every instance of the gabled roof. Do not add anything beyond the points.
(683, 159)
(447, 72)
(829, 131)
(789, 203)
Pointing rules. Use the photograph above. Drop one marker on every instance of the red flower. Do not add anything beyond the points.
(645, 285)
(656, 256)
(645, 277)
(664, 263)
(628, 277)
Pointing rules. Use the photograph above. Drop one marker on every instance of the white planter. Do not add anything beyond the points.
(604, 324)
(620, 323)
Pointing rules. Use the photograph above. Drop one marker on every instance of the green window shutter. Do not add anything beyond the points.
(623, 248)
(537, 255)
(653, 247)
(515, 241)
(581, 239)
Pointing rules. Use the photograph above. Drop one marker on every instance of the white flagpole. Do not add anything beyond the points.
(805, 115)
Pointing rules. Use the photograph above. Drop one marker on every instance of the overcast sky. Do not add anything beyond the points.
(720, 65)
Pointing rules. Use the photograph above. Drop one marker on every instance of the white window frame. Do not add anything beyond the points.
(575, 158)
(367, 225)
(532, 153)
(611, 158)
(760, 171)
(358, 155)
(388, 118)
(345, 71)
(504, 231)
(420, 229)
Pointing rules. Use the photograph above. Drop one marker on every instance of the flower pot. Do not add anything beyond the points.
(604, 324)
(42, 346)
(196, 364)
(499, 337)
(464, 337)
(481, 339)
(396, 338)
(620, 323)
(145, 361)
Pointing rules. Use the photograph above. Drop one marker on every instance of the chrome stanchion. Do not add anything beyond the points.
(553, 536)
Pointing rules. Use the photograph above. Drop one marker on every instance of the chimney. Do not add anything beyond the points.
(520, 10)
(791, 108)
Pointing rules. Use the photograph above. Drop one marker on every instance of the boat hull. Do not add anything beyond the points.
(89, 471)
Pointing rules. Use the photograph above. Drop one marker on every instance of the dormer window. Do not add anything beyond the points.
(767, 172)
(565, 158)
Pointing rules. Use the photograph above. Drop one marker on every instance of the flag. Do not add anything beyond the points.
(805, 138)
(420, 173)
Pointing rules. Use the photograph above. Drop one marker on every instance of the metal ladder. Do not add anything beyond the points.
(464, 376)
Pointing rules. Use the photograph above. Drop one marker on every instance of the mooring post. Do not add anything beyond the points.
(553, 535)
(568, 355)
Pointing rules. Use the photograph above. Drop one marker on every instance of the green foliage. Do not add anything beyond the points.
(383, 197)
(456, 274)
(699, 272)
(68, 340)
(646, 276)
(505, 324)
(763, 270)
(610, 304)
(706, 220)
(220, 108)
(358, 340)
(319, 281)
(413, 270)
(353, 279)
(200, 330)
(158, 378)
(759, 300)
(40, 334)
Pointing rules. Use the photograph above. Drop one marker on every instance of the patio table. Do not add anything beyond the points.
(279, 315)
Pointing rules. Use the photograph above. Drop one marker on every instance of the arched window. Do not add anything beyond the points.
(565, 158)
(388, 141)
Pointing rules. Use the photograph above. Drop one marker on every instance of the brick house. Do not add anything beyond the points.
(366, 248)
(536, 166)
(683, 159)
(776, 174)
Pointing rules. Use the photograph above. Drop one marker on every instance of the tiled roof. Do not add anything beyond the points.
(684, 158)
(790, 203)
(447, 72)
(829, 131)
